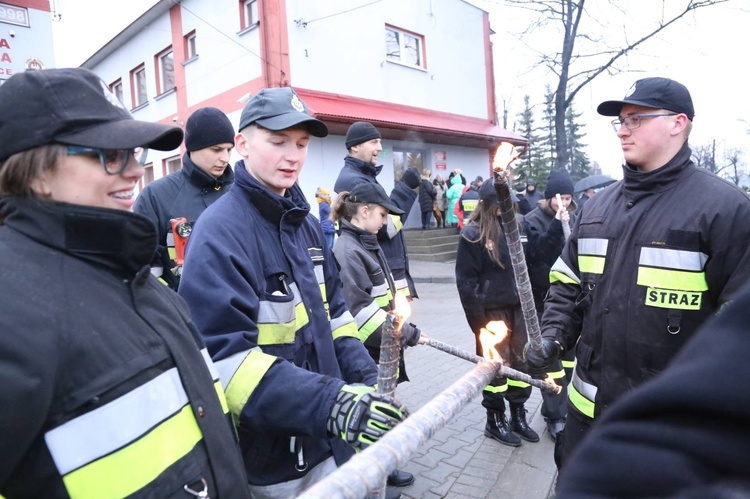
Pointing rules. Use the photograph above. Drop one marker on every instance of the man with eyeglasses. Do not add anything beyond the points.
(651, 258)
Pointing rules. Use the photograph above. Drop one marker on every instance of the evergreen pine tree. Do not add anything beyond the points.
(578, 165)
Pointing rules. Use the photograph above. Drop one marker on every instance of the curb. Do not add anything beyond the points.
(435, 280)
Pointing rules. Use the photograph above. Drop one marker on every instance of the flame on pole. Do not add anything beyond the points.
(506, 154)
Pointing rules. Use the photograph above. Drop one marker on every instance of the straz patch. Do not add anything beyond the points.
(669, 298)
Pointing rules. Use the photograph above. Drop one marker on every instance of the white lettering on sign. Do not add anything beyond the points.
(14, 15)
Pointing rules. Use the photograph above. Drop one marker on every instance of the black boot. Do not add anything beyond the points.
(519, 424)
(497, 428)
(399, 478)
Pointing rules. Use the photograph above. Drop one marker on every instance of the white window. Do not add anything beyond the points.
(116, 89)
(148, 175)
(404, 47)
(249, 13)
(191, 49)
(138, 84)
(172, 165)
(166, 70)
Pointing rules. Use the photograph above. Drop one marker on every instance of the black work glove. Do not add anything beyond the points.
(360, 415)
(410, 335)
(543, 359)
(411, 177)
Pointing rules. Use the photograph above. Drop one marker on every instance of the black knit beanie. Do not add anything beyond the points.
(558, 182)
(206, 127)
(360, 132)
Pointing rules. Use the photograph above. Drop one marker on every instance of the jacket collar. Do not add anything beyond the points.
(292, 207)
(363, 167)
(120, 241)
(203, 180)
(639, 184)
(369, 241)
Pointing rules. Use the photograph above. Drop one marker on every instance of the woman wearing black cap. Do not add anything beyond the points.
(107, 390)
(487, 289)
(369, 287)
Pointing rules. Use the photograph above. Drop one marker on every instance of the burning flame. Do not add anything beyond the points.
(489, 336)
(505, 155)
(402, 309)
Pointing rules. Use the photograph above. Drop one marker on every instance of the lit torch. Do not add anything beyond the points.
(505, 156)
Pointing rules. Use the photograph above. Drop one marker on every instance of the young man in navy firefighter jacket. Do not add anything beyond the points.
(265, 294)
(650, 259)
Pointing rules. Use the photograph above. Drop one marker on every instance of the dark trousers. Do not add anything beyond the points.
(426, 219)
(511, 352)
(577, 426)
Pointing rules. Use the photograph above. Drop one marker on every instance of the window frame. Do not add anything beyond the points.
(190, 45)
(135, 94)
(165, 164)
(162, 86)
(117, 90)
(250, 5)
(402, 34)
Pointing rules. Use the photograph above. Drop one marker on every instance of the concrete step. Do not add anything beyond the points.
(419, 242)
(434, 245)
(444, 256)
(414, 234)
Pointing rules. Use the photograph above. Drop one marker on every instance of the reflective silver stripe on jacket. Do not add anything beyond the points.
(227, 367)
(210, 363)
(592, 246)
(586, 389)
(673, 259)
(561, 267)
(271, 312)
(89, 436)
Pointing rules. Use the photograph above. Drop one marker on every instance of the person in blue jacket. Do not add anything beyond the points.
(266, 296)
(323, 197)
(205, 176)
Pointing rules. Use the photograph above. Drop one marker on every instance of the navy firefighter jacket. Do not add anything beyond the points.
(266, 296)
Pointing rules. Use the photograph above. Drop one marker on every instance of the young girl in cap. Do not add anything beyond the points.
(487, 289)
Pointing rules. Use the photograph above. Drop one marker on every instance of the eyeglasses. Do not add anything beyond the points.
(633, 121)
(114, 161)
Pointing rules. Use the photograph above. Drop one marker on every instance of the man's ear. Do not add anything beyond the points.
(680, 123)
(240, 144)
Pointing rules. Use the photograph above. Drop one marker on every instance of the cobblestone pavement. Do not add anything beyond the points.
(459, 461)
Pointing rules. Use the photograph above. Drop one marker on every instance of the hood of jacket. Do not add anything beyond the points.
(457, 180)
(120, 241)
(203, 180)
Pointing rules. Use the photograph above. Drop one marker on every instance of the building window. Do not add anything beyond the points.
(148, 175)
(172, 165)
(248, 13)
(406, 159)
(190, 48)
(138, 86)
(116, 89)
(404, 47)
(165, 68)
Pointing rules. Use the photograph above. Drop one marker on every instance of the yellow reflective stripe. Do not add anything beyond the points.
(222, 398)
(673, 259)
(133, 467)
(372, 324)
(592, 246)
(276, 334)
(396, 221)
(496, 389)
(344, 325)
(672, 279)
(580, 402)
(402, 286)
(569, 364)
(300, 312)
(561, 272)
(469, 205)
(366, 314)
(557, 374)
(217, 379)
(591, 264)
(517, 384)
(171, 252)
(246, 379)
(323, 292)
(162, 281)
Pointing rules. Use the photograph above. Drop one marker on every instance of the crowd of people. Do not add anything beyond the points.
(257, 377)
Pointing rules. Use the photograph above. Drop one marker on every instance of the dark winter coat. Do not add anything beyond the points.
(97, 356)
(262, 284)
(651, 258)
(185, 193)
(427, 195)
(391, 237)
(683, 434)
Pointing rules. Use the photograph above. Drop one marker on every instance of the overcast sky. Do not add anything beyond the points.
(706, 52)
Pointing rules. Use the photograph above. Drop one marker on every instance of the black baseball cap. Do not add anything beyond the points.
(371, 193)
(278, 109)
(72, 106)
(657, 93)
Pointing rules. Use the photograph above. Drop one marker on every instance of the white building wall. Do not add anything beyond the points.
(227, 56)
(345, 53)
(19, 44)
